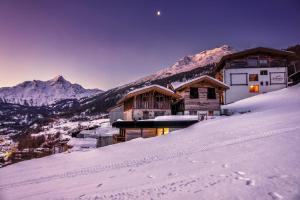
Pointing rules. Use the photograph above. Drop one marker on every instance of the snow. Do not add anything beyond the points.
(247, 156)
(150, 87)
(81, 144)
(39, 93)
(177, 85)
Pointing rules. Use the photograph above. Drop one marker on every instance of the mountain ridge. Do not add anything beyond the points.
(44, 93)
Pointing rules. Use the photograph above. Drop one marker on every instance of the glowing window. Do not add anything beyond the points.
(254, 88)
(253, 77)
(162, 131)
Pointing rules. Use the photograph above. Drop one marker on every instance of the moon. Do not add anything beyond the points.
(158, 13)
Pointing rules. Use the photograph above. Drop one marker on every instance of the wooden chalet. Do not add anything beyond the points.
(148, 102)
(199, 95)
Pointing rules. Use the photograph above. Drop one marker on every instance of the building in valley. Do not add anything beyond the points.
(202, 95)
(148, 102)
(254, 71)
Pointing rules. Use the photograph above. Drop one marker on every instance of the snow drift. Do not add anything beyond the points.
(254, 155)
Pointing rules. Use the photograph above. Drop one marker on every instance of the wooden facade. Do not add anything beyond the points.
(148, 102)
(205, 97)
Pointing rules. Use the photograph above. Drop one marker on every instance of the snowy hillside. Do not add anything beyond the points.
(254, 155)
(191, 62)
(38, 93)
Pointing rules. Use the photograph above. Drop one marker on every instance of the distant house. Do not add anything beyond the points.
(254, 71)
(148, 102)
(116, 113)
(199, 95)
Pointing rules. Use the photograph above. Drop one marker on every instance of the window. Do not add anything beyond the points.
(267, 82)
(263, 72)
(263, 62)
(194, 93)
(254, 88)
(211, 93)
(253, 77)
(193, 112)
(210, 113)
(277, 78)
(145, 114)
(238, 79)
(252, 62)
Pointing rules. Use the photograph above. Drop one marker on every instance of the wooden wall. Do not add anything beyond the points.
(202, 103)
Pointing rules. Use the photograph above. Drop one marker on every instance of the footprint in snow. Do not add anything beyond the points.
(99, 185)
(225, 165)
(171, 174)
(131, 170)
(240, 173)
(275, 195)
(242, 178)
(151, 176)
(250, 182)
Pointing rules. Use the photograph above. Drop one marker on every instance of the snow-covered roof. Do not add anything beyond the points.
(179, 85)
(150, 87)
(145, 89)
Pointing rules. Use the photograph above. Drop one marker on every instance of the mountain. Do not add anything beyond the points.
(43, 93)
(190, 62)
(188, 67)
(15, 118)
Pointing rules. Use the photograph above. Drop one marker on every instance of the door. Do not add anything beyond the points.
(145, 114)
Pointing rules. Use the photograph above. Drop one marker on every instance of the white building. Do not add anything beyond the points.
(254, 71)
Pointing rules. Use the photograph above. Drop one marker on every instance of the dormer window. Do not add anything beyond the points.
(194, 94)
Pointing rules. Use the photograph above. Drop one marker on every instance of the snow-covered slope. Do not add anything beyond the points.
(247, 156)
(38, 93)
(191, 62)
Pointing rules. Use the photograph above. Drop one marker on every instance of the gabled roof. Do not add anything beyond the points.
(156, 88)
(200, 79)
(269, 51)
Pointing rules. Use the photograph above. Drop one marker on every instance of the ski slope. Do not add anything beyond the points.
(247, 156)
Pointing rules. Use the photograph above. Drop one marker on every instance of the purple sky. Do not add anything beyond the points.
(105, 43)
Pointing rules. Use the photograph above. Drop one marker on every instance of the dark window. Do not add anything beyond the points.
(261, 83)
(252, 62)
(267, 82)
(263, 72)
(263, 62)
(211, 93)
(194, 93)
(253, 77)
(146, 115)
(193, 112)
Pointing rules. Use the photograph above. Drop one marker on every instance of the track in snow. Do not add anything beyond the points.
(148, 159)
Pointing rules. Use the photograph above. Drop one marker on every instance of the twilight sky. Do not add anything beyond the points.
(105, 43)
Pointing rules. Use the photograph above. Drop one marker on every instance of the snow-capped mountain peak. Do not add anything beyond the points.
(190, 62)
(58, 79)
(38, 93)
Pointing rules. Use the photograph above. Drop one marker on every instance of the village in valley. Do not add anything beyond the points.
(141, 100)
